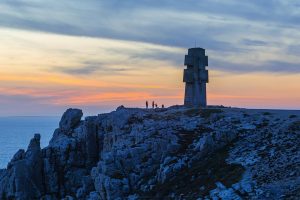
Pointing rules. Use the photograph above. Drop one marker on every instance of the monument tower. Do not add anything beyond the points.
(195, 77)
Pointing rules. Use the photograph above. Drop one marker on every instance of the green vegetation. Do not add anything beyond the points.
(186, 137)
(293, 116)
(205, 113)
(144, 159)
(192, 112)
(237, 121)
(266, 113)
(134, 120)
(200, 175)
(263, 124)
(246, 115)
(295, 126)
(109, 128)
(117, 175)
(158, 117)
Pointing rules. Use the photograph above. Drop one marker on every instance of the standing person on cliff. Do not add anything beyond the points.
(147, 104)
(152, 104)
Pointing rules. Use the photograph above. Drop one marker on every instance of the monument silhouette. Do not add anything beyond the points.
(195, 77)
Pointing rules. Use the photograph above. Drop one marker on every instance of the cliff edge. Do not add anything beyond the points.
(174, 153)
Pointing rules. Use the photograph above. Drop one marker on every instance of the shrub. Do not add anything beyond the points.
(295, 126)
(266, 113)
(292, 116)
(205, 112)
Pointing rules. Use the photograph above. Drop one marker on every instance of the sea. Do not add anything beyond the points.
(16, 132)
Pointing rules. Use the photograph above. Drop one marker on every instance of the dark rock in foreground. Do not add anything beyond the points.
(174, 153)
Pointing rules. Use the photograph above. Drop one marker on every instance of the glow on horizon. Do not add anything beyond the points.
(47, 73)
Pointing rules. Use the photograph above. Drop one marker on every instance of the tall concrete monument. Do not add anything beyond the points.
(195, 78)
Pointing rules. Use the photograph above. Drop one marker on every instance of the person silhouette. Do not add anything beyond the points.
(147, 104)
(163, 106)
(152, 104)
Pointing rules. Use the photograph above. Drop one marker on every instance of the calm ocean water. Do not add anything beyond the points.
(16, 132)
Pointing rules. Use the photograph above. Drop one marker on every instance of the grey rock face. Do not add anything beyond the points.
(23, 178)
(170, 153)
(70, 119)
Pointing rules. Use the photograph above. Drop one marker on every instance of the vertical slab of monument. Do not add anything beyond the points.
(195, 77)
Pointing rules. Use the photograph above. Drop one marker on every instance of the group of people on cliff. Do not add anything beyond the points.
(154, 105)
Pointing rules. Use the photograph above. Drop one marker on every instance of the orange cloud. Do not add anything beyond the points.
(30, 67)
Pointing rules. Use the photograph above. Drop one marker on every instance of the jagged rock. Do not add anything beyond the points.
(18, 156)
(70, 119)
(145, 153)
(93, 196)
(24, 176)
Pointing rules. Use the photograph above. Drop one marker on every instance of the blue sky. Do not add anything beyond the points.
(229, 27)
(114, 43)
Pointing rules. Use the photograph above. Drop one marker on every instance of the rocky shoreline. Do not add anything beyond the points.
(174, 153)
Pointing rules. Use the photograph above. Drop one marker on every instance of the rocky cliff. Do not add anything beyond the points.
(174, 153)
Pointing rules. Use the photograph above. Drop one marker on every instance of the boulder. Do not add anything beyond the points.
(70, 119)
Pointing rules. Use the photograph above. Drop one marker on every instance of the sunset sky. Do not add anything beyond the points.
(97, 54)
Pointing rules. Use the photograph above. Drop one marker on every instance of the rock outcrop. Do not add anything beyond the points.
(23, 178)
(174, 153)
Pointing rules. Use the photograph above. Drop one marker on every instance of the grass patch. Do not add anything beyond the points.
(109, 128)
(145, 159)
(266, 113)
(192, 112)
(134, 120)
(293, 116)
(117, 175)
(236, 121)
(246, 115)
(205, 113)
(263, 124)
(159, 117)
(295, 126)
(208, 112)
(186, 138)
(204, 173)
